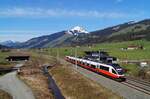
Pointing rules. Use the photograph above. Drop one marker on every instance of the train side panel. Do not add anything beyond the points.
(103, 72)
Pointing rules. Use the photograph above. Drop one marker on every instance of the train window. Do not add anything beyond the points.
(98, 66)
(83, 63)
(113, 71)
(104, 68)
(79, 62)
(93, 66)
(88, 64)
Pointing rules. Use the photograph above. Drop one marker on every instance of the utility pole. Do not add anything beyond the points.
(99, 56)
(49, 52)
(76, 57)
(71, 51)
(57, 54)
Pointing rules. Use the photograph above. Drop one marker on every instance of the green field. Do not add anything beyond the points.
(3, 55)
(3, 62)
(114, 49)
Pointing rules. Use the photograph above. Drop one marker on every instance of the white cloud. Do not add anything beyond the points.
(2, 32)
(21, 38)
(21, 35)
(39, 12)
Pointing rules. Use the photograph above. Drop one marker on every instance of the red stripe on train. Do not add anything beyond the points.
(95, 70)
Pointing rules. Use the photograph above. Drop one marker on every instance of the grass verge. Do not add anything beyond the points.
(3, 62)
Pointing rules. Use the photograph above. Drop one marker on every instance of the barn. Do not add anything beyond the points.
(18, 58)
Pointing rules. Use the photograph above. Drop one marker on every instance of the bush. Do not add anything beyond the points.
(144, 73)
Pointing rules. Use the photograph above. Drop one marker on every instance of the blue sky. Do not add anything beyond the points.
(21, 20)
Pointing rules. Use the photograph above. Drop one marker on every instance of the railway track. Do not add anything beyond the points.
(138, 84)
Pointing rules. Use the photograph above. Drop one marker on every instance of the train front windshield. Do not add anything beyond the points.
(118, 69)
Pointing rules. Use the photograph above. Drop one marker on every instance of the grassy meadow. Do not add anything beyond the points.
(3, 62)
(114, 49)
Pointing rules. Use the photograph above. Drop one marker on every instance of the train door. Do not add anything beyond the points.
(113, 71)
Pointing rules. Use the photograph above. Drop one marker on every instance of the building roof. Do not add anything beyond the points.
(133, 46)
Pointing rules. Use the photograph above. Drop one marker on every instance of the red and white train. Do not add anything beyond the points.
(113, 71)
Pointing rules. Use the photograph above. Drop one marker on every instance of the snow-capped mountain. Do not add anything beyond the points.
(77, 30)
(54, 39)
(9, 43)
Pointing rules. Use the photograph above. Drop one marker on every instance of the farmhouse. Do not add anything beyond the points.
(134, 47)
(18, 58)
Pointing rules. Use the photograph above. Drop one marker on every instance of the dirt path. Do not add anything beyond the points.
(11, 84)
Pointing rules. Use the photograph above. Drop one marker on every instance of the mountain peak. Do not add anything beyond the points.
(77, 30)
(131, 22)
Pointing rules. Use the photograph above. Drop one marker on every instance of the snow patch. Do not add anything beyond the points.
(77, 30)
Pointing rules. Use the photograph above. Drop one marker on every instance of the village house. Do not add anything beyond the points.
(134, 47)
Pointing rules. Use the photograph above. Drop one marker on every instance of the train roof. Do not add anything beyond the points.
(91, 52)
(88, 61)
